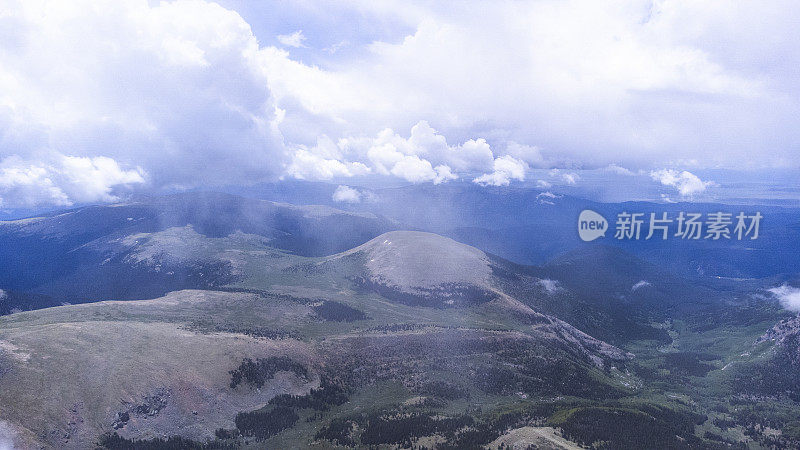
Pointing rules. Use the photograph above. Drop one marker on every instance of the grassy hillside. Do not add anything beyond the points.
(409, 339)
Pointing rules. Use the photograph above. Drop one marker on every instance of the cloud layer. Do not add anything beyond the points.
(639, 83)
(101, 93)
(425, 156)
(181, 94)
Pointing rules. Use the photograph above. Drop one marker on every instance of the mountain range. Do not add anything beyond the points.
(205, 320)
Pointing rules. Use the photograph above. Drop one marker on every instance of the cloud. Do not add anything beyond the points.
(542, 184)
(184, 91)
(546, 198)
(530, 154)
(417, 170)
(349, 194)
(444, 174)
(177, 89)
(295, 39)
(639, 285)
(570, 178)
(424, 156)
(506, 168)
(619, 170)
(346, 194)
(635, 83)
(424, 142)
(788, 296)
(306, 165)
(550, 286)
(3, 295)
(686, 183)
(63, 181)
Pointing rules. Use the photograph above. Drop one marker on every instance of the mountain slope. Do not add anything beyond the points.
(415, 261)
(392, 342)
(149, 368)
(132, 367)
(63, 253)
(532, 226)
(429, 270)
(170, 364)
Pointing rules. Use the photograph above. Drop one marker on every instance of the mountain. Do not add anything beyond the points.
(606, 273)
(15, 301)
(267, 325)
(96, 252)
(532, 226)
(204, 241)
(425, 269)
(420, 268)
(772, 368)
(249, 360)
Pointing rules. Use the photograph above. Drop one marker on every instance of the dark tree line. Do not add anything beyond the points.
(256, 373)
(330, 393)
(263, 424)
(338, 312)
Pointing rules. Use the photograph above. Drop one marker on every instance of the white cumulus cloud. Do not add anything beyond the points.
(177, 89)
(63, 180)
(184, 91)
(346, 194)
(789, 296)
(530, 154)
(570, 178)
(636, 83)
(686, 183)
(309, 165)
(506, 168)
(424, 156)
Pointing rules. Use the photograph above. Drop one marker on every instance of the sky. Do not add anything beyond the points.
(100, 99)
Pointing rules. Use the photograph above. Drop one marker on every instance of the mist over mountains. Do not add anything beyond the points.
(523, 226)
(531, 226)
(375, 304)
